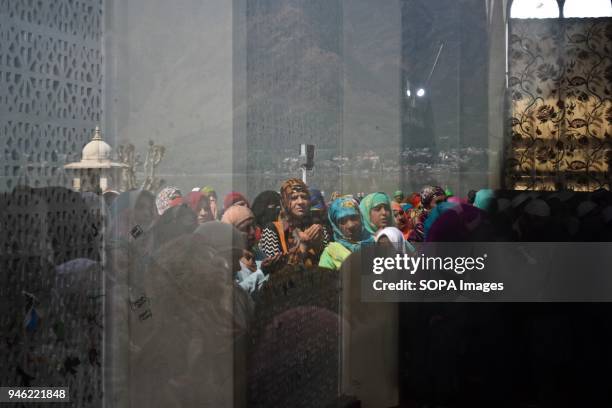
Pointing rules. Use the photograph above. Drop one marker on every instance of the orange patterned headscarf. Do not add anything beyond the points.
(287, 188)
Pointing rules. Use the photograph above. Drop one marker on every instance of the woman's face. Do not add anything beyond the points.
(299, 204)
(213, 204)
(350, 227)
(381, 216)
(400, 219)
(247, 227)
(249, 260)
(385, 241)
(204, 213)
(273, 210)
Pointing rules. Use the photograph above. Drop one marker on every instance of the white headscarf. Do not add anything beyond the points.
(396, 237)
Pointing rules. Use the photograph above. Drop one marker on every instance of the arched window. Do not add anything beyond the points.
(590, 8)
(534, 9)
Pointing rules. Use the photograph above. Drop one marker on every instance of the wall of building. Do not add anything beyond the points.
(51, 80)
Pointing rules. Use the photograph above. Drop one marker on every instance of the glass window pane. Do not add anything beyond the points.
(534, 9)
(591, 8)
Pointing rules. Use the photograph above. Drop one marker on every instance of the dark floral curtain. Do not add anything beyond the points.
(560, 88)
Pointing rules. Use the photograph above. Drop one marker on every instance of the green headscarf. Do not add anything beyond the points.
(370, 201)
(208, 190)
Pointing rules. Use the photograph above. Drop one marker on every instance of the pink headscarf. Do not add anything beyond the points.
(237, 214)
(456, 200)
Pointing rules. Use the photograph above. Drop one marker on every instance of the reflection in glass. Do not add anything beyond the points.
(592, 8)
(534, 9)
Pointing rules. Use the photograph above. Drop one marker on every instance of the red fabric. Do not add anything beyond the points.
(193, 200)
(456, 200)
(395, 206)
(175, 202)
(232, 198)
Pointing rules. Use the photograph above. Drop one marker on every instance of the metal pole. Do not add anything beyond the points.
(433, 67)
(304, 174)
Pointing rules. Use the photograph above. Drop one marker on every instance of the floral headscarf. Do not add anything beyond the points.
(370, 201)
(429, 193)
(344, 207)
(168, 197)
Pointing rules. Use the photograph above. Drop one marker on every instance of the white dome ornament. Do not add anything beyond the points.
(97, 150)
(96, 171)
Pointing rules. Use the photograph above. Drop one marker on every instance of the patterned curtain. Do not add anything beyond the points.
(560, 87)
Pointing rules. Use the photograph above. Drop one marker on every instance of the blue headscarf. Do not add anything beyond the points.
(484, 199)
(317, 202)
(435, 213)
(406, 206)
(344, 207)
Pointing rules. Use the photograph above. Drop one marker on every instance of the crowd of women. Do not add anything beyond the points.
(191, 259)
(298, 226)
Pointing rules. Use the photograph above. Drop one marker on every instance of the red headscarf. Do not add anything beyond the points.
(415, 200)
(232, 198)
(194, 198)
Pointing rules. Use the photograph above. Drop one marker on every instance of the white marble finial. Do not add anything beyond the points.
(97, 134)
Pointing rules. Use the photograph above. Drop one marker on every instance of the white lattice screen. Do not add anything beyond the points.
(50, 86)
(51, 291)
